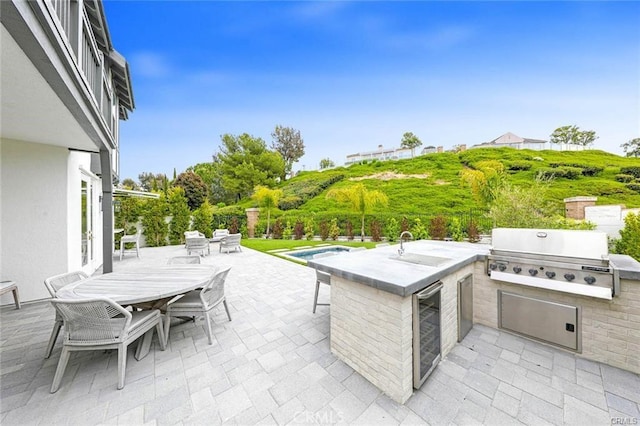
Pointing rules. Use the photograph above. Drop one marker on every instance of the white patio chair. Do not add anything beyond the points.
(11, 286)
(54, 284)
(98, 324)
(321, 278)
(218, 235)
(231, 242)
(184, 260)
(199, 303)
(135, 239)
(198, 244)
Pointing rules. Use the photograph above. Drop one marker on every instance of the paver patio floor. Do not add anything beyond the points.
(272, 365)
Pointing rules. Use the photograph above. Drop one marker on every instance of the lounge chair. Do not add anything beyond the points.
(231, 242)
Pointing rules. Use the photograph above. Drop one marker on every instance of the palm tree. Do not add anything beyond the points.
(359, 199)
(267, 199)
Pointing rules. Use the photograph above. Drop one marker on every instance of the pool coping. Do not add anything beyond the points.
(285, 254)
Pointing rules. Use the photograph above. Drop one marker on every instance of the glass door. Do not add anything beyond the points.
(86, 216)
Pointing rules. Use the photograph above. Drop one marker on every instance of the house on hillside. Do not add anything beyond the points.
(383, 154)
(514, 141)
(64, 91)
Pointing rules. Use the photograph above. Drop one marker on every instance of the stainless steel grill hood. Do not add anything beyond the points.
(560, 260)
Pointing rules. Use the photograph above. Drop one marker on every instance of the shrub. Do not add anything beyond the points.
(180, 215)
(334, 230)
(290, 203)
(634, 171)
(234, 226)
(438, 227)
(348, 229)
(559, 172)
(287, 232)
(519, 165)
(629, 242)
(392, 230)
(473, 233)
(634, 187)
(309, 228)
(277, 230)
(202, 218)
(591, 170)
(376, 230)
(323, 226)
(156, 228)
(298, 230)
(404, 224)
(455, 229)
(419, 231)
(625, 178)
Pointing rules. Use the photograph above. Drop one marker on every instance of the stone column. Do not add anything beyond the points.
(574, 206)
(252, 220)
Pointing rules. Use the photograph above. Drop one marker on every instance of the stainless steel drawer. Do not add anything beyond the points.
(543, 320)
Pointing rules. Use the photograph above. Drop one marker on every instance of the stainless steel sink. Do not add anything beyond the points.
(421, 259)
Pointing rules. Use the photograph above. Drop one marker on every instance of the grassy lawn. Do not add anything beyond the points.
(265, 245)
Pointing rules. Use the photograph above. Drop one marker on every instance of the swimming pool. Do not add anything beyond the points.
(307, 254)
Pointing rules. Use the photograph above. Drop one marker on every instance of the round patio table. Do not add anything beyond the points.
(149, 286)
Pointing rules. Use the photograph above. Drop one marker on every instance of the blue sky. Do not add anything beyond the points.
(354, 75)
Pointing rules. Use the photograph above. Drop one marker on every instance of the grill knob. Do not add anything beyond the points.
(493, 266)
(517, 269)
(550, 274)
(502, 267)
(533, 272)
(589, 279)
(569, 277)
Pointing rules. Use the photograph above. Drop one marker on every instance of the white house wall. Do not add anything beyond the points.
(34, 242)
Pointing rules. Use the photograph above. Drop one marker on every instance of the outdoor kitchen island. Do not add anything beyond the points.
(372, 305)
(372, 308)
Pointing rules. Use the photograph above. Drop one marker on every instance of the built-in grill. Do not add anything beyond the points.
(561, 260)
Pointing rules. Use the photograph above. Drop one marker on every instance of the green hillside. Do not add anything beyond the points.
(430, 185)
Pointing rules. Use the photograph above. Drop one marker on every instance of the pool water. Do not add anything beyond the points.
(308, 254)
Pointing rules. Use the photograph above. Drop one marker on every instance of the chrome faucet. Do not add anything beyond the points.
(401, 249)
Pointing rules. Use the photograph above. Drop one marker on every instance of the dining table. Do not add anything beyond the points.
(149, 287)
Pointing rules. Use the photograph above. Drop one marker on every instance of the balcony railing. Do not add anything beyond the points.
(75, 28)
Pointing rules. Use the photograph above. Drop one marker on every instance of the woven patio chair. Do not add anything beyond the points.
(11, 286)
(199, 303)
(99, 324)
(231, 241)
(135, 239)
(198, 244)
(218, 235)
(54, 284)
(321, 278)
(184, 260)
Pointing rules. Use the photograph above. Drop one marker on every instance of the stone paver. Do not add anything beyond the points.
(272, 364)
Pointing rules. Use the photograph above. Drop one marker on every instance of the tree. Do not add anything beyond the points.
(326, 163)
(288, 142)
(202, 218)
(267, 199)
(485, 180)
(211, 175)
(154, 223)
(194, 188)
(632, 147)
(180, 215)
(573, 135)
(360, 200)
(150, 182)
(245, 162)
(409, 140)
(129, 183)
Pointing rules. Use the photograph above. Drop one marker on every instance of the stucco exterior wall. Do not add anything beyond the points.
(34, 229)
